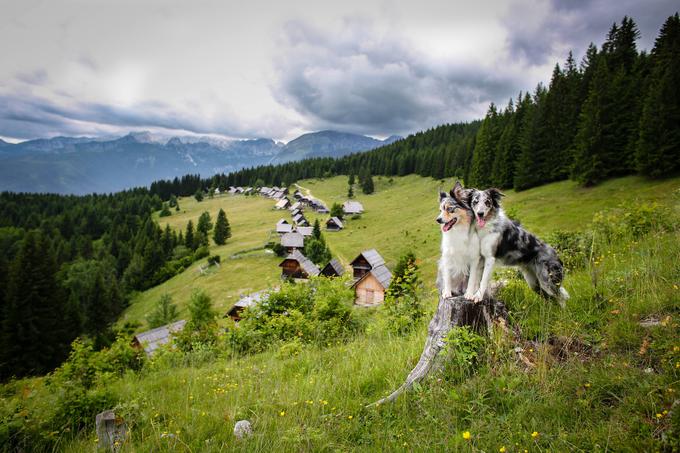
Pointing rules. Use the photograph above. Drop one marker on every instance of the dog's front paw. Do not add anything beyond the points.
(469, 295)
(478, 297)
(447, 294)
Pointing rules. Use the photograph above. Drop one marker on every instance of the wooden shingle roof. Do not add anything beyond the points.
(333, 268)
(372, 256)
(381, 273)
(154, 338)
(293, 239)
(305, 263)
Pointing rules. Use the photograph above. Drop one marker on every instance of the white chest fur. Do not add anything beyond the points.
(459, 246)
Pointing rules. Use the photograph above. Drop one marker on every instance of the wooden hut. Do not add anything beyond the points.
(283, 203)
(298, 266)
(305, 231)
(352, 207)
(334, 224)
(333, 269)
(154, 338)
(370, 289)
(282, 227)
(245, 302)
(367, 260)
(292, 241)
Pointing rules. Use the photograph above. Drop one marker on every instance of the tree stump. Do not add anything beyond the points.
(111, 431)
(451, 312)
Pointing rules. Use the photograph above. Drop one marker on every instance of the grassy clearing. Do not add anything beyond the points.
(599, 381)
(399, 217)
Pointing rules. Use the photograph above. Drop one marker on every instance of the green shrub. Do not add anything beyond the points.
(214, 259)
(319, 312)
(403, 305)
(201, 252)
(573, 247)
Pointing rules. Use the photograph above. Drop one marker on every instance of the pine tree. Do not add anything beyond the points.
(350, 192)
(189, 239)
(204, 223)
(222, 229)
(316, 230)
(485, 149)
(367, 186)
(35, 337)
(658, 147)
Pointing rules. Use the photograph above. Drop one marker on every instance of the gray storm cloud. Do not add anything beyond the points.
(365, 81)
(279, 71)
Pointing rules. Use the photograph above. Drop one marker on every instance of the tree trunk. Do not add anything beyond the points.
(451, 312)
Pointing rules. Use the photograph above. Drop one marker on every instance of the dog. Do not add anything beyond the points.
(504, 240)
(460, 244)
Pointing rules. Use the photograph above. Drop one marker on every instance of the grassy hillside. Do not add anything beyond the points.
(594, 378)
(399, 217)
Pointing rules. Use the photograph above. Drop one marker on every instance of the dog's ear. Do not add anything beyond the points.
(496, 196)
(442, 195)
(460, 194)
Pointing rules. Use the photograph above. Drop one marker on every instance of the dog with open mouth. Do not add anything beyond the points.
(504, 241)
(460, 244)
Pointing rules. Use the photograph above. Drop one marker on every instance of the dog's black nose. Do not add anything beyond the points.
(480, 214)
(439, 220)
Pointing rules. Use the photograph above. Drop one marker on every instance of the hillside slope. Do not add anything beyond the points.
(593, 377)
(399, 217)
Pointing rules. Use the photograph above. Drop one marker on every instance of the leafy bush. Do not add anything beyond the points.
(164, 313)
(636, 221)
(201, 252)
(403, 298)
(318, 312)
(214, 259)
(463, 348)
(573, 247)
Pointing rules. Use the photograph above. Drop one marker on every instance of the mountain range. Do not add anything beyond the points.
(81, 165)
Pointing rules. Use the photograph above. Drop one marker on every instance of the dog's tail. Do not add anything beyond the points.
(562, 297)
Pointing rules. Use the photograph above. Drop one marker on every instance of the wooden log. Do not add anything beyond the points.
(451, 312)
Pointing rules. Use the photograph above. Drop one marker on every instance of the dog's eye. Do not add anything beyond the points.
(487, 203)
(450, 209)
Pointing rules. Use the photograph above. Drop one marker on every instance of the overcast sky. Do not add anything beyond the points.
(278, 68)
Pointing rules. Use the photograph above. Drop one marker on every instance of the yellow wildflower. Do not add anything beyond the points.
(502, 449)
(659, 415)
(534, 435)
(349, 417)
(467, 435)
(282, 413)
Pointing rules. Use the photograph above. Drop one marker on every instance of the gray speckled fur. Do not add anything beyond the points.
(505, 241)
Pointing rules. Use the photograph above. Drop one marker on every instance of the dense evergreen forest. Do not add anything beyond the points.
(615, 113)
(68, 264)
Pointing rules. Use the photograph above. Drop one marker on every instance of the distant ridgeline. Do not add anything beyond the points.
(616, 113)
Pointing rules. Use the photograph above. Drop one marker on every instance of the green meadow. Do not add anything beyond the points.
(601, 375)
(398, 217)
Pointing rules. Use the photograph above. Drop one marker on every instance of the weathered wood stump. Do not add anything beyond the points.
(451, 312)
(111, 431)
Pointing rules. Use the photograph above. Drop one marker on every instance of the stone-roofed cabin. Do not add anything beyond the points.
(352, 207)
(282, 227)
(334, 224)
(245, 302)
(367, 260)
(154, 338)
(370, 289)
(333, 269)
(305, 231)
(283, 203)
(292, 241)
(298, 266)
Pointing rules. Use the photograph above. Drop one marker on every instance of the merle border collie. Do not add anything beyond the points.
(504, 241)
(460, 245)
